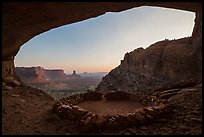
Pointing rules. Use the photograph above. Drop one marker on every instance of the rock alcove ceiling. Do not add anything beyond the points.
(22, 21)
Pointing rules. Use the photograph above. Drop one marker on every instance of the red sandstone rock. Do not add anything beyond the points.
(38, 74)
(144, 69)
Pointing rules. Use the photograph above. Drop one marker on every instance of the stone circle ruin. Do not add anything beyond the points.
(144, 110)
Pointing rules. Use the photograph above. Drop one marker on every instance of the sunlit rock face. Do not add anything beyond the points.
(38, 74)
(18, 27)
(142, 70)
(163, 60)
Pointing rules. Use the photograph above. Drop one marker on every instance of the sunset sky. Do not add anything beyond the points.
(98, 44)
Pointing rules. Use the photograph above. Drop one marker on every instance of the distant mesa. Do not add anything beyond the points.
(96, 74)
(39, 74)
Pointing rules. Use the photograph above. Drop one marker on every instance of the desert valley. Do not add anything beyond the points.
(57, 83)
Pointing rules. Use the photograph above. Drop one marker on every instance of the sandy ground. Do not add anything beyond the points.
(103, 107)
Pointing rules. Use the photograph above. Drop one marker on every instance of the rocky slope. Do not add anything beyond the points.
(160, 64)
(27, 111)
(38, 74)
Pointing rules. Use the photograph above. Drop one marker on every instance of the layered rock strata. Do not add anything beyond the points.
(38, 74)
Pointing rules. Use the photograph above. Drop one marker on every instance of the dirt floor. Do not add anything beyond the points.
(103, 107)
(27, 111)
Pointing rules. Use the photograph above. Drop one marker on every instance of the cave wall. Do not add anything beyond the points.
(22, 21)
(197, 39)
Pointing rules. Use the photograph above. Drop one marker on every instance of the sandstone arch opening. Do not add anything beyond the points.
(99, 43)
(31, 107)
(20, 37)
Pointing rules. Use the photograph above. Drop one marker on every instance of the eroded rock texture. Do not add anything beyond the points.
(161, 63)
(23, 21)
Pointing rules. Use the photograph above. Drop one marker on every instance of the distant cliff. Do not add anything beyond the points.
(161, 63)
(39, 74)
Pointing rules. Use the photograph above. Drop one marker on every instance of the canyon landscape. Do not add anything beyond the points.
(154, 91)
(56, 83)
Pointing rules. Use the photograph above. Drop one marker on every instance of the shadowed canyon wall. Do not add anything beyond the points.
(22, 21)
(162, 63)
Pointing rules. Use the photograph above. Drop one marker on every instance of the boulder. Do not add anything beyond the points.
(11, 81)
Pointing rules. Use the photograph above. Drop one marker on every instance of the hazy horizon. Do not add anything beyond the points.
(99, 44)
(67, 73)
